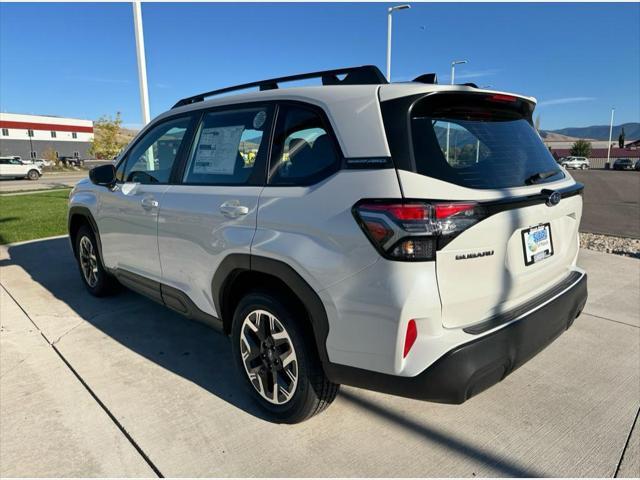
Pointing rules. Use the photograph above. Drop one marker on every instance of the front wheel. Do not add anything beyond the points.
(33, 175)
(275, 356)
(95, 278)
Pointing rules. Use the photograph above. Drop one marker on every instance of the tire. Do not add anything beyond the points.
(94, 277)
(304, 388)
(33, 175)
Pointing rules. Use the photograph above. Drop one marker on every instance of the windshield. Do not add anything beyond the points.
(477, 143)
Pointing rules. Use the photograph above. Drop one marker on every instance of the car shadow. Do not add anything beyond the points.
(507, 468)
(184, 347)
(187, 348)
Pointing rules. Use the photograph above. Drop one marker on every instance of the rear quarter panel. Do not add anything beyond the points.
(313, 229)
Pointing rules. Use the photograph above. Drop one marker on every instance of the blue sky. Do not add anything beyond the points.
(79, 60)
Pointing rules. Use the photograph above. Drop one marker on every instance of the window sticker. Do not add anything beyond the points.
(259, 119)
(218, 150)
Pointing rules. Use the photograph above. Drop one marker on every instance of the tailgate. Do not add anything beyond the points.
(484, 271)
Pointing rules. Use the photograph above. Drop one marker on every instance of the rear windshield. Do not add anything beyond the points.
(479, 141)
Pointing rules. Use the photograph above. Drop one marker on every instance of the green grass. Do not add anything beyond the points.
(37, 215)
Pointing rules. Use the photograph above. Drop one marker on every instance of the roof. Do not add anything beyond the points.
(44, 119)
(353, 110)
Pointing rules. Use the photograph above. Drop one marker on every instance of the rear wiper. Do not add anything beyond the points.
(535, 178)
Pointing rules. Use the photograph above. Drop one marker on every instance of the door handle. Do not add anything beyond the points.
(148, 203)
(233, 209)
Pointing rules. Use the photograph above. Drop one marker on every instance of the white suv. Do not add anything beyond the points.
(415, 239)
(15, 167)
(581, 163)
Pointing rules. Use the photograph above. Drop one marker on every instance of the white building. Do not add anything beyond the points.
(30, 136)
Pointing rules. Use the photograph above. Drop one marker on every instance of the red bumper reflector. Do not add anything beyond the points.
(410, 338)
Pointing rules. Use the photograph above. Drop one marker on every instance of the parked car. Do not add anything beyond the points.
(637, 166)
(14, 167)
(68, 160)
(38, 161)
(325, 258)
(623, 164)
(581, 163)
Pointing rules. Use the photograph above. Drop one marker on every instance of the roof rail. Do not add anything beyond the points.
(364, 75)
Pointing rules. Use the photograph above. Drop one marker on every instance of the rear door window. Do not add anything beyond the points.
(478, 141)
(304, 150)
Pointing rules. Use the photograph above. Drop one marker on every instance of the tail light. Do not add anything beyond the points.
(412, 230)
(499, 97)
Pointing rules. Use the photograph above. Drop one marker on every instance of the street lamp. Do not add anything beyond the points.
(608, 165)
(453, 68)
(453, 77)
(142, 64)
(390, 10)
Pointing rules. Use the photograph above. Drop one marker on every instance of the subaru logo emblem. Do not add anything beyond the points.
(553, 199)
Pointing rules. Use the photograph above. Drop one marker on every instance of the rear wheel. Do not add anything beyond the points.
(94, 276)
(275, 356)
(33, 175)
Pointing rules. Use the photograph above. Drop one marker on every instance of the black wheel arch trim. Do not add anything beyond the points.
(78, 210)
(237, 263)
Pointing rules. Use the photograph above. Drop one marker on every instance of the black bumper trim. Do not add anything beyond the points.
(473, 367)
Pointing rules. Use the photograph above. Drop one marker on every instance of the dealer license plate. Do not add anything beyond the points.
(537, 243)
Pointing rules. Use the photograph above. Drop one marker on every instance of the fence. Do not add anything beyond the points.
(599, 161)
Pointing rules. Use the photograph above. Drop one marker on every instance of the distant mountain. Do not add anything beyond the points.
(556, 137)
(601, 132)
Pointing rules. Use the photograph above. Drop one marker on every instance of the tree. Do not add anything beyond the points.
(538, 123)
(621, 139)
(106, 142)
(50, 154)
(581, 148)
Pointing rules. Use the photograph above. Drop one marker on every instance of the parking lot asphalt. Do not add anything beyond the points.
(48, 181)
(611, 202)
(124, 387)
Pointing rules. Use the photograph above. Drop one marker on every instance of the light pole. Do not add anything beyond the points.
(142, 64)
(453, 69)
(453, 77)
(390, 11)
(609, 146)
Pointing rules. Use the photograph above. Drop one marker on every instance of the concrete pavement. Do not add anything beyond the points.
(48, 422)
(168, 383)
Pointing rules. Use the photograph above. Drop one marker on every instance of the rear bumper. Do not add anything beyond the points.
(475, 366)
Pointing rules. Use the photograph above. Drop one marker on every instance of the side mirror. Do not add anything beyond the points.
(104, 175)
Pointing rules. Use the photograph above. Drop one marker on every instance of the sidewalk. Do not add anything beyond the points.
(167, 382)
(50, 424)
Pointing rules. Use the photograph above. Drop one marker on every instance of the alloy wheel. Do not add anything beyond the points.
(269, 357)
(88, 261)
